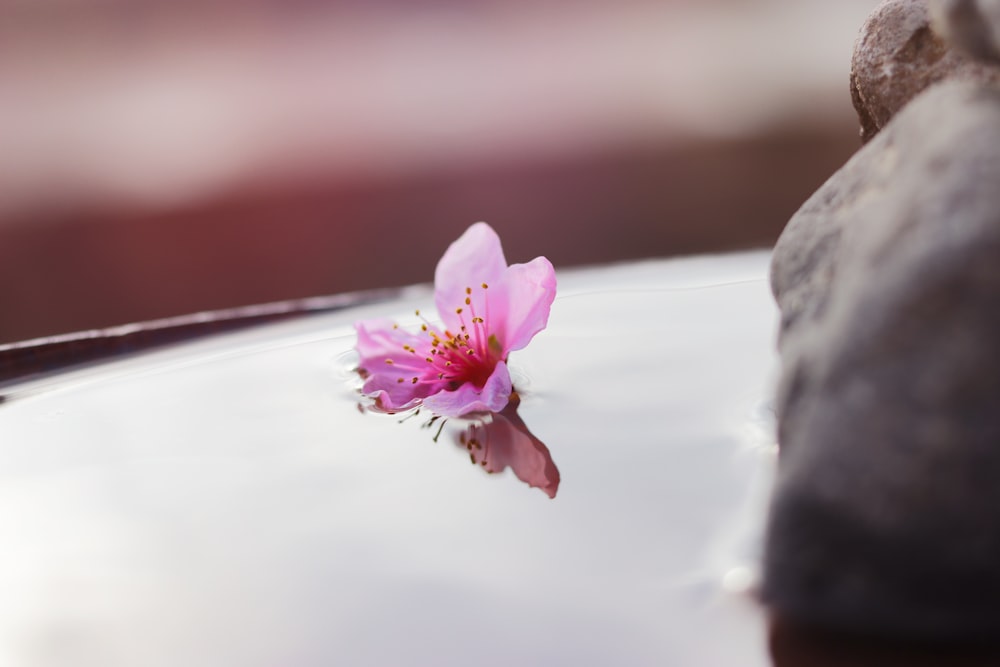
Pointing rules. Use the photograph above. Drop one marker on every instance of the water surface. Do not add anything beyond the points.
(224, 502)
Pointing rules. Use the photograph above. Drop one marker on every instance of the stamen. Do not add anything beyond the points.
(389, 361)
(481, 344)
(440, 428)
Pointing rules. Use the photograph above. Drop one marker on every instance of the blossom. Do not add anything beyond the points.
(488, 310)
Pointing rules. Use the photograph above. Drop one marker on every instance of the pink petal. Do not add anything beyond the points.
(378, 341)
(377, 338)
(475, 258)
(520, 305)
(468, 398)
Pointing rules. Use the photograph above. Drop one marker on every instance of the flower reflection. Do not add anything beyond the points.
(494, 441)
(500, 440)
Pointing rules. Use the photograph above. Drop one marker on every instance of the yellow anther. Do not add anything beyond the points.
(400, 380)
(468, 301)
(413, 381)
(389, 361)
(485, 286)
(458, 311)
(429, 360)
(471, 352)
(468, 290)
(423, 327)
(417, 313)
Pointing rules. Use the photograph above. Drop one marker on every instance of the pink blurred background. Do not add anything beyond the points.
(159, 158)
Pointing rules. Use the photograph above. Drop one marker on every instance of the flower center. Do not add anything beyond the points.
(455, 358)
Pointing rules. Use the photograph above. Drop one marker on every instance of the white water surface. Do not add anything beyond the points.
(224, 502)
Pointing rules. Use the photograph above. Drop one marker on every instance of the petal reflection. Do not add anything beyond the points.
(500, 440)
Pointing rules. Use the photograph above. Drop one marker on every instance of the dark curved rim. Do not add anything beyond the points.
(40, 356)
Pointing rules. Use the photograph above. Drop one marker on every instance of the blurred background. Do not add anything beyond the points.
(160, 157)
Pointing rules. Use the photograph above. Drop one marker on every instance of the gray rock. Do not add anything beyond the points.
(896, 56)
(886, 515)
(970, 26)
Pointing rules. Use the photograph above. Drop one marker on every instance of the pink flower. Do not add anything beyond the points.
(489, 309)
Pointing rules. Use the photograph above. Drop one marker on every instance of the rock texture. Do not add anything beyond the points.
(886, 517)
(971, 26)
(897, 55)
